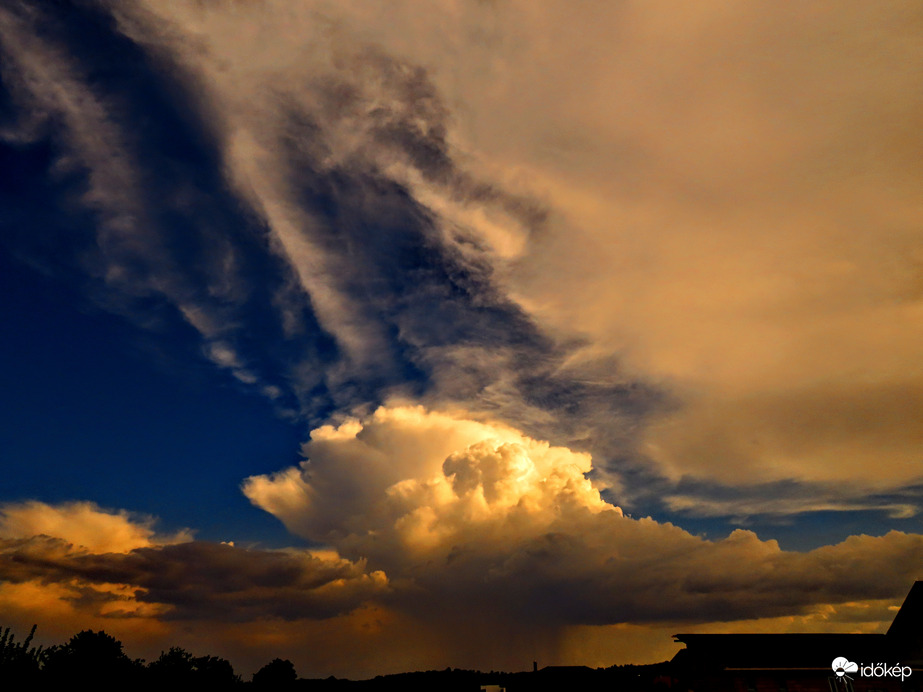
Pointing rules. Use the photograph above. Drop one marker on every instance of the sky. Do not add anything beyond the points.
(398, 336)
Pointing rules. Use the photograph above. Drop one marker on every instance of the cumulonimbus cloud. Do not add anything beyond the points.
(440, 526)
(441, 517)
(473, 516)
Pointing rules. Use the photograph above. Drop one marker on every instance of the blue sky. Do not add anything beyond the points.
(102, 413)
(386, 301)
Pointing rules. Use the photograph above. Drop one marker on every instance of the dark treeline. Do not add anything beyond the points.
(96, 659)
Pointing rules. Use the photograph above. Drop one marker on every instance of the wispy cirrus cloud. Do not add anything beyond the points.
(642, 256)
(369, 262)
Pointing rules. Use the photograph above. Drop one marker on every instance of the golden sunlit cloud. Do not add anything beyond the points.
(415, 482)
(84, 525)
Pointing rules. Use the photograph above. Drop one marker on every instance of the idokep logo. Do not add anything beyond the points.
(841, 666)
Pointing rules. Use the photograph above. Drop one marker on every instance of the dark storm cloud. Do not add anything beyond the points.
(784, 499)
(719, 582)
(606, 569)
(198, 580)
(642, 574)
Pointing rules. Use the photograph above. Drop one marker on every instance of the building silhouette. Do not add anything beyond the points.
(891, 662)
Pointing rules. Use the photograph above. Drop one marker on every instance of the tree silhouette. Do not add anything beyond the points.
(173, 666)
(277, 674)
(178, 667)
(94, 657)
(213, 673)
(20, 663)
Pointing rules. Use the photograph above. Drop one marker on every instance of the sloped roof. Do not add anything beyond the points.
(908, 622)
